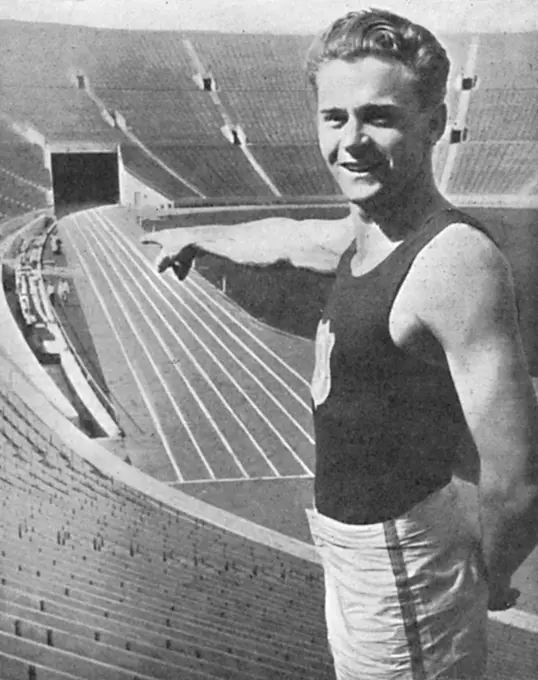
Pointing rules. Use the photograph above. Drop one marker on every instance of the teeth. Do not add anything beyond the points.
(359, 168)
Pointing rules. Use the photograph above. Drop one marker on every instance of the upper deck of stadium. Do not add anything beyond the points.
(261, 88)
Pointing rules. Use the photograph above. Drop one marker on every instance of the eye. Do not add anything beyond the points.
(381, 121)
(384, 117)
(334, 118)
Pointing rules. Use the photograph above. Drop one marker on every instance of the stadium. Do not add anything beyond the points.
(157, 450)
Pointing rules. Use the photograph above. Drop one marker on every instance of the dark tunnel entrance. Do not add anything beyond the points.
(82, 178)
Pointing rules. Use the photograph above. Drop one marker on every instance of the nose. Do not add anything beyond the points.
(354, 136)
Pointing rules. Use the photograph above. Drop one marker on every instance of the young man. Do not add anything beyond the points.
(418, 346)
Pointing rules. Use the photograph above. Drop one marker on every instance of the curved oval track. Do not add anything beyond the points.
(205, 384)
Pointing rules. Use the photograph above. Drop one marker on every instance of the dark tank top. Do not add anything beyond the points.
(387, 423)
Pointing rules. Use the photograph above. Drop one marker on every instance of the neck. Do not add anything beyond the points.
(394, 218)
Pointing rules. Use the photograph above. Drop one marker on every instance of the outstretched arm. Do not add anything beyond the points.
(471, 310)
(311, 244)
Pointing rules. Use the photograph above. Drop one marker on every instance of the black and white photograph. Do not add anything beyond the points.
(268, 340)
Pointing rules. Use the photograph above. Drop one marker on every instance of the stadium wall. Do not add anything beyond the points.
(135, 193)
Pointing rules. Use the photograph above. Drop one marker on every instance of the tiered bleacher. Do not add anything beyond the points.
(41, 55)
(289, 118)
(181, 117)
(23, 159)
(24, 181)
(148, 77)
(262, 82)
(272, 63)
(59, 113)
(152, 174)
(501, 148)
(219, 170)
(17, 196)
(504, 115)
(493, 168)
(99, 580)
(296, 170)
(507, 61)
(136, 60)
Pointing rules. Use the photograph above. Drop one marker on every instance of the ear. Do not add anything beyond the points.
(437, 123)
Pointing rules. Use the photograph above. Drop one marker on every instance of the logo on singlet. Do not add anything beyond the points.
(321, 379)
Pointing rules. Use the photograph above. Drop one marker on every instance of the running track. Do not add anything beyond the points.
(204, 382)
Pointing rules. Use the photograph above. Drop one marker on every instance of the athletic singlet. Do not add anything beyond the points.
(387, 423)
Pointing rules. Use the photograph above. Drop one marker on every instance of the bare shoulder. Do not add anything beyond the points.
(463, 257)
(462, 283)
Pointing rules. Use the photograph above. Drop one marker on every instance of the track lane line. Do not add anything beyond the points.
(186, 286)
(151, 361)
(175, 312)
(171, 357)
(145, 397)
(191, 356)
(153, 364)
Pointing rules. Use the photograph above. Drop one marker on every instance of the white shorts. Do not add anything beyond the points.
(404, 599)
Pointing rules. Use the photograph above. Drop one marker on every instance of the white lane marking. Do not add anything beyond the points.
(140, 386)
(239, 479)
(175, 406)
(173, 362)
(517, 618)
(230, 316)
(191, 282)
(107, 225)
(152, 363)
(242, 425)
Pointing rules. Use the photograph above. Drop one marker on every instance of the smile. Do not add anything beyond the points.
(361, 168)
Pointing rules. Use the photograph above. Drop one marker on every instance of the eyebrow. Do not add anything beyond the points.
(369, 109)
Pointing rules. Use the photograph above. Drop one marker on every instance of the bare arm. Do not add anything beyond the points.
(312, 244)
(471, 310)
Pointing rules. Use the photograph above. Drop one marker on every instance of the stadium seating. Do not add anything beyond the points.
(148, 78)
(21, 158)
(219, 170)
(177, 117)
(503, 115)
(54, 54)
(22, 195)
(269, 119)
(61, 113)
(296, 170)
(273, 63)
(507, 61)
(137, 60)
(40, 55)
(152, 174)
(99, 580)
(493, 168)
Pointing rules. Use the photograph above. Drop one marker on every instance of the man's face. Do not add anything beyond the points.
(372, 133)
